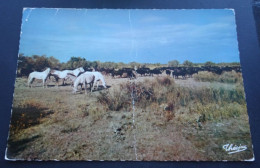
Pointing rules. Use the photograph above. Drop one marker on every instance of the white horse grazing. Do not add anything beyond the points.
(98, 77)
(84, 79)
(71, 77)
(39, 75)
(62, 74)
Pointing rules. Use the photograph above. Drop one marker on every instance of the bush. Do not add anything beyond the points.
(225, 77)
(117, 99)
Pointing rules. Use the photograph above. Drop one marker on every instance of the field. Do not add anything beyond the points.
(149, 118)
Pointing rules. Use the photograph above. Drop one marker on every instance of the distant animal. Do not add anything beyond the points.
(62, 74)
(39, 75)
(155, 71)
(125, 73)
(143, 71)
(179, 71)
(86, 78)
(168, 72)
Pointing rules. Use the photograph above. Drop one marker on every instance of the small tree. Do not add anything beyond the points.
(41, 62)
(55, 63)
(134, 64)
(187, 63)
(173, 63)
(209, 64)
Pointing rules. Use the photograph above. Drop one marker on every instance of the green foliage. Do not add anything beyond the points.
(28, 64)
(76, 62)
(134, 64)
(173, 63)
(187, 63)
(34, 63)
(209, 64)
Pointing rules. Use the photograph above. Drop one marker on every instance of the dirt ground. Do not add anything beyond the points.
(75, 129)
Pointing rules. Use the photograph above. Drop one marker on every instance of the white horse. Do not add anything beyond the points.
(71, 77)
(39, 75)
(84, 79)
(62, 74)
(98, 77)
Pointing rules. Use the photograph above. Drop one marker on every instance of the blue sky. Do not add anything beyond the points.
(145, 36)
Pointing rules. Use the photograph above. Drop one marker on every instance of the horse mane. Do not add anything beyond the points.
(80, 73)
(45, 68)
(71, 74)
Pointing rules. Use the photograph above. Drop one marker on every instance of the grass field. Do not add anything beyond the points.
(170, 120)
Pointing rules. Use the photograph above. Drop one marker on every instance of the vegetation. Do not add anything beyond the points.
(28, 64)
(172, 121)
(187, 63)
(225, 77)
(173, 63)
(168, 119)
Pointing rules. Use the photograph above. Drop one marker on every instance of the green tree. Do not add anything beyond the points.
(173, 63)
(187, 63)
(134, 64)
(76, 62)
(209, 64)
(25, 65)
(41, 62)
(54, 63)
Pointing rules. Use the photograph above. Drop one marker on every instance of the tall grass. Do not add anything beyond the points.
(163, 92)
(117, 99)
(225, 77)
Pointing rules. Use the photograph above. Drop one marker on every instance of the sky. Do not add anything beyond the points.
(127, 35)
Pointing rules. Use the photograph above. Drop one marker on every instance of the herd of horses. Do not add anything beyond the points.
(77, 76)
(81, 77)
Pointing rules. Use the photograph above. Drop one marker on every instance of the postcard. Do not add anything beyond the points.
(129, 84)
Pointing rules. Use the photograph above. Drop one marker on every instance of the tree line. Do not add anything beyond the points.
(28, 64)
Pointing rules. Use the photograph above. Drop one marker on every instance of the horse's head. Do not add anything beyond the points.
(47, 70)
(74, 90)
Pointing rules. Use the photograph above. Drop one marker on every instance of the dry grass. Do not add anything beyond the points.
(171, 122)
(28, 113)
(225, 77)
(117, 99)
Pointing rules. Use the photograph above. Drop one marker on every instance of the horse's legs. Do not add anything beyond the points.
(91, 86)
(85, 86)
(97, 85)
(29, 81)
(43, 82)
(57, 81)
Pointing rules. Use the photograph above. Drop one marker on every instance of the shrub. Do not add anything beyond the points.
(225, 77)
(117, 99)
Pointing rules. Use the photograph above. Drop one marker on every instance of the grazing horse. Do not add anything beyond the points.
(39, 75)
(62, 74)
(98, 77)
(71, 77)
(84, 79)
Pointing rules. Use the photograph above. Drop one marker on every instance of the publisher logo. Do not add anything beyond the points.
(231, 148)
